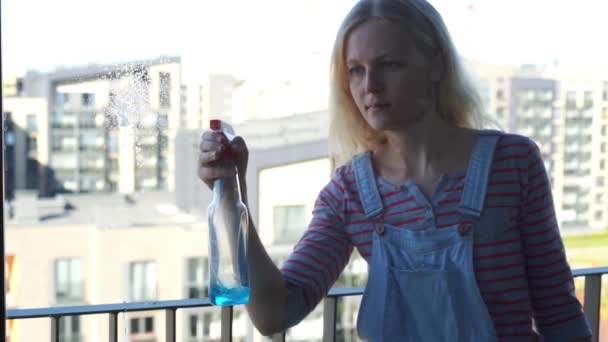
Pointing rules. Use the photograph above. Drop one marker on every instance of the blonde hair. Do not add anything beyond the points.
(458, 101)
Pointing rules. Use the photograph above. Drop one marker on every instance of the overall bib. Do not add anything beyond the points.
(421, 285)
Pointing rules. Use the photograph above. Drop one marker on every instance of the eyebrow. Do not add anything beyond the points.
(355, 61)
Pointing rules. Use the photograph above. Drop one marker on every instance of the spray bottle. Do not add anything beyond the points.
(228, 225)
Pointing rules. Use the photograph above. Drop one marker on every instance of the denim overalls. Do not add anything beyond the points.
(421, 284)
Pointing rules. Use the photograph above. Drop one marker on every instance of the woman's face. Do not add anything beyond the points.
(390, 79)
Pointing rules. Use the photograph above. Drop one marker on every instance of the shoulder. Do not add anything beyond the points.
(508, 140)
(510, 144)
(345, 173)
(342, 174)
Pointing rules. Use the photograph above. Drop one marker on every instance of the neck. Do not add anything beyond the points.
(419, 149)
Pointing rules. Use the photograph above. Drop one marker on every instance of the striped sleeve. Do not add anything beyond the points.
(557, 312)
(321, 254)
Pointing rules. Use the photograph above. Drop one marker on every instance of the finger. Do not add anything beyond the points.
(208, 157)
(212, 161)
(212, 136)
(209, 174)
(210, 145)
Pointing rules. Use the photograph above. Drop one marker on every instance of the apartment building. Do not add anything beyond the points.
(109, 249)
(566, 117)
(110, 128)
(26, 140)
(585, 154)
(205, 97)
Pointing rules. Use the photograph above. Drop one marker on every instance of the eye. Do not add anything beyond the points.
(356, 70)
(392, 64)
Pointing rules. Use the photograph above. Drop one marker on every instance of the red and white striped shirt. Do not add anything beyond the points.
(520, 263)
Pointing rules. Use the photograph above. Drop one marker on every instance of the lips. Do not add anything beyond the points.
(377, 106)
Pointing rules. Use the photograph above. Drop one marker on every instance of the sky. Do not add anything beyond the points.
(280, 37)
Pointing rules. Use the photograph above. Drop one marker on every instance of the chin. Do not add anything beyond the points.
(386, 124)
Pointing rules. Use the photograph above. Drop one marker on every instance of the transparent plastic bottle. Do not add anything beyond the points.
(228, 224)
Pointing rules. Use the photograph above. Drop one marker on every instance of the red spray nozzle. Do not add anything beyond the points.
(215, 124)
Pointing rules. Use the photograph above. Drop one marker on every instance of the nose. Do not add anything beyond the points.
(373, 81)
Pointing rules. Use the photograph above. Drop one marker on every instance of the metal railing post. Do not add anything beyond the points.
(593, 288)
(330, 306)
(2, 180)
(170, 325)
(279, 337)
(227, 315)
(55, 328)
(113, 327)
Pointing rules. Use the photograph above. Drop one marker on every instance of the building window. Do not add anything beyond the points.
(588, 99)
(500, 111)
(141, 328)
(570, 100)
(88, 99)
(199, 326)
(69, 329)
(142, 281)
(195, 327)
(289, 223)
(197, 281)
(162, 121)
(32, 124)
(32, 146)
(19, 87)
(87, 119)
(600, 181)
(61, 99)
(598, 215)
(164, 90)
(68, 280)
(603, 147)
(500, 94)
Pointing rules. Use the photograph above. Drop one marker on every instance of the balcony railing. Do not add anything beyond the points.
(593, 285)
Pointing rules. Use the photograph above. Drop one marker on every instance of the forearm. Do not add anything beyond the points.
(268, 301)
(268, 298)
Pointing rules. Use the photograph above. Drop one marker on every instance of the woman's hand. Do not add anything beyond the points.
(213, 162)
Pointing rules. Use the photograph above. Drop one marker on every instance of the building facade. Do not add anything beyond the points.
(566, 117)
(110, 128)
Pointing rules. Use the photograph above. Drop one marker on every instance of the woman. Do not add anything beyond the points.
(457, 224)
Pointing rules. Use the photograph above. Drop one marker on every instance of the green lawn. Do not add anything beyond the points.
(589, 240)
(587, 250)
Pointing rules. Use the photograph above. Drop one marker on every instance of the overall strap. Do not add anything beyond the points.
(478, 174)
(365, 180)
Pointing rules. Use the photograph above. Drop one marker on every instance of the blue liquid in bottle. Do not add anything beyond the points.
(229, 281)
(229, 296)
